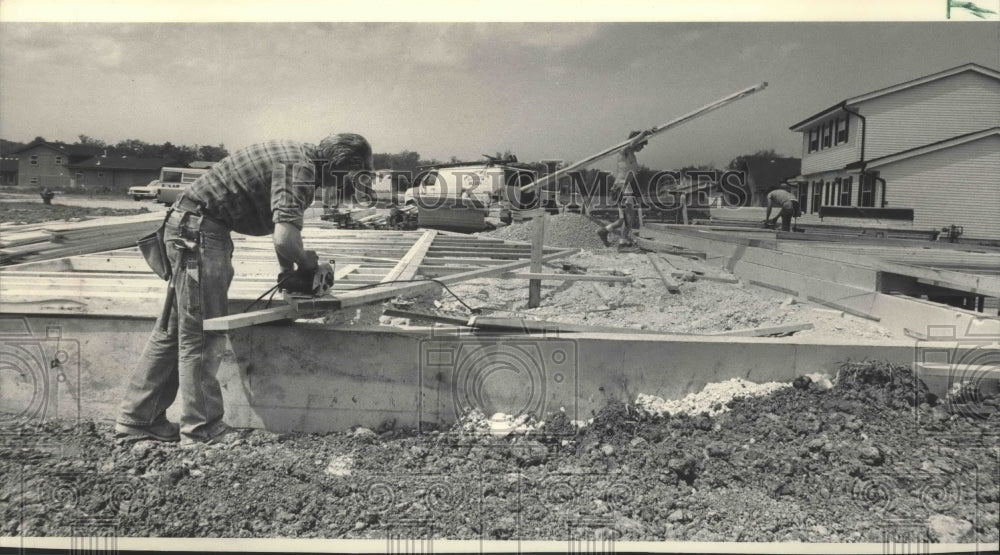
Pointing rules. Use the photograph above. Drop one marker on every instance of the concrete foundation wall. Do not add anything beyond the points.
(307, 377)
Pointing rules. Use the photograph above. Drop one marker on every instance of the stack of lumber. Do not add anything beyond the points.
(55, 239)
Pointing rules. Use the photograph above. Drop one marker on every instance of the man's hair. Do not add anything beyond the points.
(346, 151)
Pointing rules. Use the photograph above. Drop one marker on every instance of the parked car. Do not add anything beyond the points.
(140, 192)
(173, 181)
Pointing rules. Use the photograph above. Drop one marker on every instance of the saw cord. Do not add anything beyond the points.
(271, 291)
(274, 289)
(437, 281)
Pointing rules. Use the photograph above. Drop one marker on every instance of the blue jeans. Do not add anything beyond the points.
(182, 355)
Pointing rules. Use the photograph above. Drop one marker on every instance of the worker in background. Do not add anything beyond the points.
(625, 191)
(47, 195)
(782, 197)
(258, 190)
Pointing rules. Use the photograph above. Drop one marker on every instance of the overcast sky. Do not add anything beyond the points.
(541, 90)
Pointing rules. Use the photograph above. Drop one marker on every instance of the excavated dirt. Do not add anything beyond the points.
(876, 458)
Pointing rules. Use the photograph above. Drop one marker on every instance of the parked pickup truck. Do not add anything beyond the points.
(173, 181)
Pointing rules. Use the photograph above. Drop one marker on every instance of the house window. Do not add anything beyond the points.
(803, 196)
(814, 139)
(827, 134)
(842, 130)
(817, 190)
(867, 197)
(33, 181)
(33, 160)
(59, 160)
(845, 191)
(100, 174)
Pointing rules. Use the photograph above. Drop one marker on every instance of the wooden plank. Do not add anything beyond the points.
(554, 176)
(768, 330)
(521, 325)
(843, 308)
(978, 284)
(774, 287)
(671, 285)
(566, 277)
(600, 293)
(395, 313)
(964, 371)
(369, 295)
(410, 263)
(653, 245)
(537, 244)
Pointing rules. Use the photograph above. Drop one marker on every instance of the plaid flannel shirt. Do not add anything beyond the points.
(258, 186)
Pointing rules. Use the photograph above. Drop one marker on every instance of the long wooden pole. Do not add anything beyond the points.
(654, 131)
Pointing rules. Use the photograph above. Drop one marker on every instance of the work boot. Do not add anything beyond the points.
(226, 437)
(603, 234)
(161, 430)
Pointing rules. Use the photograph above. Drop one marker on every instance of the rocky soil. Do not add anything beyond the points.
(874, 458)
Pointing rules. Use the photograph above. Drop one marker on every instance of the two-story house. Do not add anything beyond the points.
(45, 163)
(930, 145)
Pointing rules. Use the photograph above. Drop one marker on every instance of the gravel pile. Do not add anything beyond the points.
(566, 230)
(713, 399)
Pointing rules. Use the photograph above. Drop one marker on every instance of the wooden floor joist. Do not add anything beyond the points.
(119, 283)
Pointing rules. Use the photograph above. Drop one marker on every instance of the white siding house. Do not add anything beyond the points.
(956, 182)
(928, 144)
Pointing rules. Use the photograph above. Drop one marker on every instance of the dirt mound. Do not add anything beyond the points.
(565, 230)
(802, 463)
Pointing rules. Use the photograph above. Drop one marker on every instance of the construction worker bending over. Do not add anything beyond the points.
(624, 191)
(259, 190)
(789, 207)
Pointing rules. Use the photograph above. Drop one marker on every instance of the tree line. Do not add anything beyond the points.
(178, 154)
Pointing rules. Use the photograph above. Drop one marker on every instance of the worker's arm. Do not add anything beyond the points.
(770, 203)
(288, 246)
(289, 200)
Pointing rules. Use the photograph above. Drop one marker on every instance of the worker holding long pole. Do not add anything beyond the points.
(625, 191)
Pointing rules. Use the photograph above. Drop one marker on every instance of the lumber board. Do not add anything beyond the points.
(410, 263)
(777, 288)
(963, 371)
(18, 239)
(671, 285)
(370, 295)
(537, 246)
(653, 245)
(600, 293)
(521, 325)
(978, 284)
(767, 330)
(554, 176)
(843, 308)
(566, 277)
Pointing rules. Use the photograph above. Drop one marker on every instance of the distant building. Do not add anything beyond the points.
(115, 172)
(930, 145)
(46, 163)
(8, 170)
